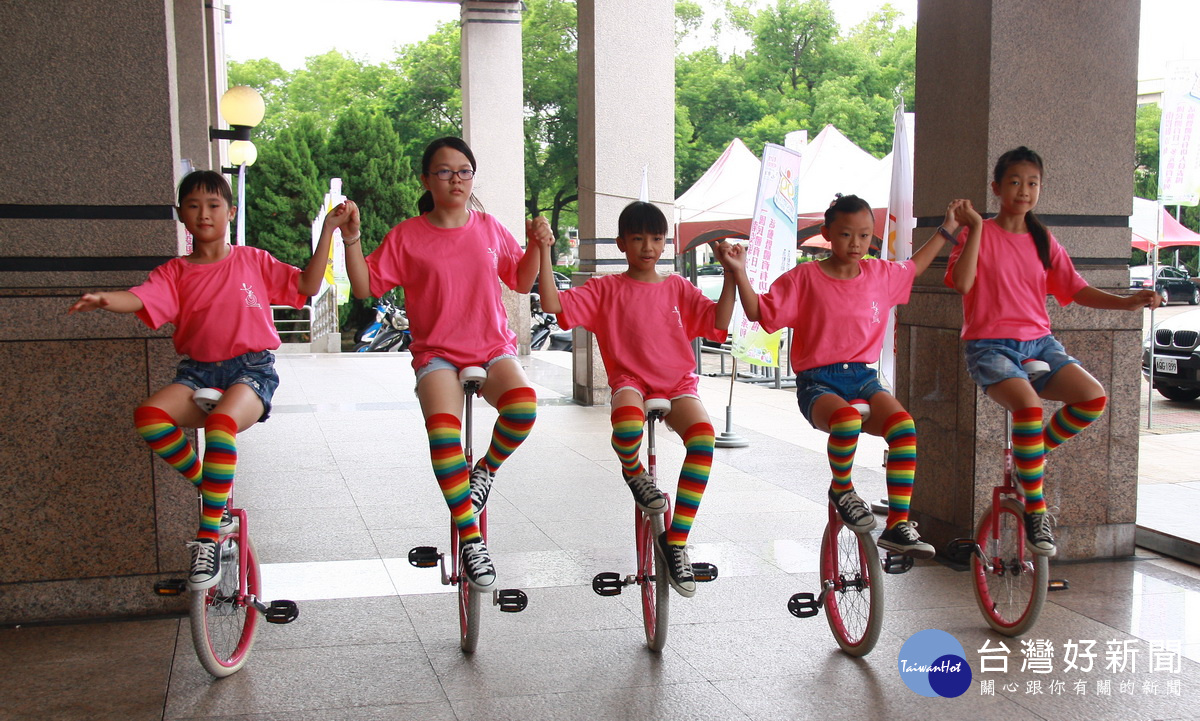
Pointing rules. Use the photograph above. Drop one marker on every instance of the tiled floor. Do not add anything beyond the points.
(338, 487)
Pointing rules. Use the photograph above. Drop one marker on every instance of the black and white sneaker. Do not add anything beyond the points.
(228, 525)
(904, 539)
(679, 566)
(1038, 537)
(855, 512)
(646, 495)
(206, 564)
(481, 485)
(477, 564)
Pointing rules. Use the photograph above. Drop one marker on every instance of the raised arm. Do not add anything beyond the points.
(733, 259)
(728, 294)
(923, 257)
(310, 277)
(117, 301)
(968, 259)
(547, 288)
(356, 263)
(538, 235)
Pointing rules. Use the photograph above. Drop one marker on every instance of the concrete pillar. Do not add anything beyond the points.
(626, 122)
(1060, 78)
(195, 110)
(88, 172)
(493, 123)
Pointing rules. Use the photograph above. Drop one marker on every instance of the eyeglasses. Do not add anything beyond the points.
(446, 174)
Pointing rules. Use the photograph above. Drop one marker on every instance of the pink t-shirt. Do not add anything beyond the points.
(835, 320)
(1008, 299)
(451, 292)
(220, 310)
(645, 330)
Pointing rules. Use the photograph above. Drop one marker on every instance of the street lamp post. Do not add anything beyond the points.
(242, 108)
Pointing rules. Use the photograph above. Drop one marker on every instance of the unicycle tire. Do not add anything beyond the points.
(469, 601)
(851, 573)
(652, 577)
(1011, 596)
(223, 621)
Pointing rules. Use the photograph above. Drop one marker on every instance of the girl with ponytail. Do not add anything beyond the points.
(1004, 270)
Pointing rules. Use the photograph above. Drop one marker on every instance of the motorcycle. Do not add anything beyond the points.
(544, 329)
(389, 332)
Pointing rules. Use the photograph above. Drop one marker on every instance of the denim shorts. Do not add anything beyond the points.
(991, 360)
(440, 364)
(848, 381)
(255, 369)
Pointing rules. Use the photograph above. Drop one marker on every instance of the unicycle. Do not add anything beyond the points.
(224, 618)
(510, 600)
(851, 582)
(651, 573)
(1010, 581)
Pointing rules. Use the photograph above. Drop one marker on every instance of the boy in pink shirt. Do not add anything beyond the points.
(838, 311)
(644, 323)
(219, 299)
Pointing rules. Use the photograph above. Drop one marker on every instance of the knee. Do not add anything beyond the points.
(700, 434)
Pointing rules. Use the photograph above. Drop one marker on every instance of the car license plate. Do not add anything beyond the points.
(1166, 365)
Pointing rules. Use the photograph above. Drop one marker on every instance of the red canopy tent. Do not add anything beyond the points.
(1145, 227)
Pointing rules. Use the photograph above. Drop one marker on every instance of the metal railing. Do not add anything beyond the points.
(318, 320)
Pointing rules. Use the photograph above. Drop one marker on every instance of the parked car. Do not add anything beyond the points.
(561, 282)
(1173, 284)
(1176, 358)
(710, 279)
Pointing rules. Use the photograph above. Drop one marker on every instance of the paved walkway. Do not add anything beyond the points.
(339, 488)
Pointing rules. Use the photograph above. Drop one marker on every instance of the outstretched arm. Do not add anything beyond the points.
(547, 288)
(1095, 298)
(968, 259)
(310, 277)
(356, 263)
(733, 259)
(118, 301)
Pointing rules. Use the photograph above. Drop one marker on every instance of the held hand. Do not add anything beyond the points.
(732, 256)
(89, 302)
(337, 216)
(538, 231)
(965, 213)
(352, 224)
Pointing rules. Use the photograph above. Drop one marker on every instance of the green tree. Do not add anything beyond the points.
(283, 195)
(1145, 169)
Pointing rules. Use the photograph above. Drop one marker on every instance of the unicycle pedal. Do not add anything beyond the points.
(960, 550)
(424, 557)
(171, 587)
(1058, 584)
(608, 584)
(804, 605)
(704, 572)
(897, 563)
(281, 612)
(510, 600)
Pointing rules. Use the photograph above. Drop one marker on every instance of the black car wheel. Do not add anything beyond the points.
(1175, 393)
(1195, 297)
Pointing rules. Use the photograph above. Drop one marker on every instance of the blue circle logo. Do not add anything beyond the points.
(933, 663)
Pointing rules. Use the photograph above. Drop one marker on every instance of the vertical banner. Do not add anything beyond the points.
(1178, 135)
(335, 270)
(900, 223)
(771, 250)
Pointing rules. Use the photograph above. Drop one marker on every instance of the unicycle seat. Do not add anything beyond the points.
(863, 408)
(1035, 368)
(207, 398)
(657, 407)
(472, 377)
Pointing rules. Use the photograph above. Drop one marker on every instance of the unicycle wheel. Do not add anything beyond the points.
(223, 620)
(1012, 593)
(652, 578)
(851, 573)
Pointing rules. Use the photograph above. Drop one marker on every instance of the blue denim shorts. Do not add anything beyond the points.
(849, 381)
(991, 360)
(255, 369)
(439, 364)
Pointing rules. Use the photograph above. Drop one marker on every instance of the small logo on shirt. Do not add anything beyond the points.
(251, 299)
(678, 316)
(874, 311)
(495, 257)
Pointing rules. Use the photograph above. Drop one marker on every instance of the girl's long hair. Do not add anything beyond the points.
(1041, 236)
(425, 202)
